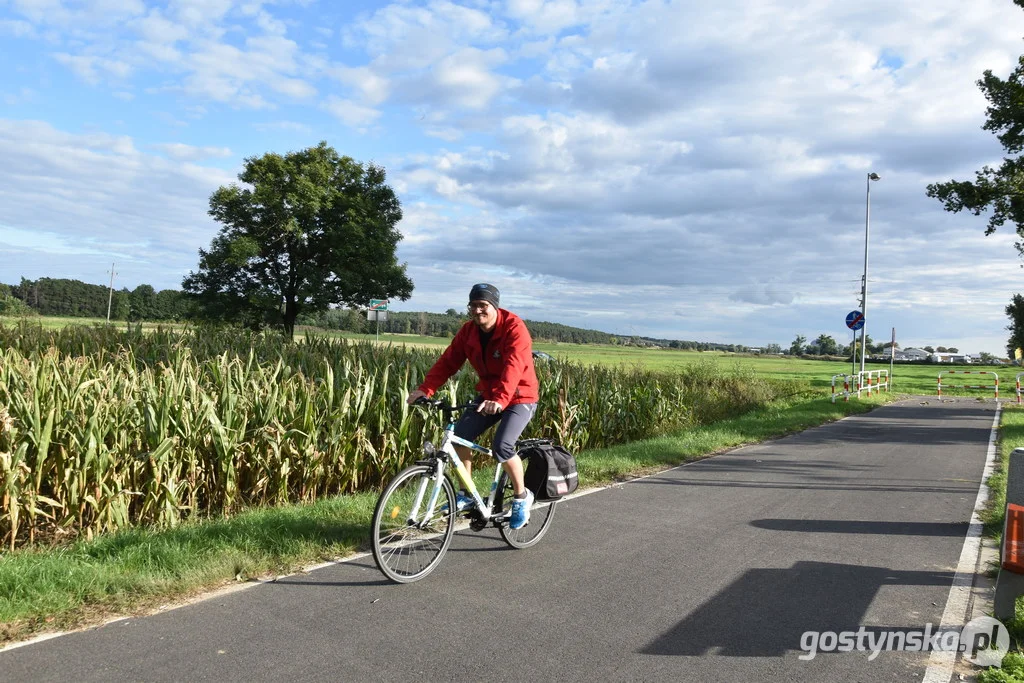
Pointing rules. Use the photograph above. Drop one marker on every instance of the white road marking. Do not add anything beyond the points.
(940, 662)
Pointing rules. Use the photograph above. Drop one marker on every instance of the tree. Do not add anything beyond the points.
(826, 345)
(1000, 190)
(308, 230)
(11, 305)
(142, 305)
(1015, 310)
(942, 349)
(953, 349)
(929, 349)
(797, 347)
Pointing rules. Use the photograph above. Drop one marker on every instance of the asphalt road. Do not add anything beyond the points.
(708, 572)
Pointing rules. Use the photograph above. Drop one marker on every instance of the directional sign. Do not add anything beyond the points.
(378, 304)
(855, 320)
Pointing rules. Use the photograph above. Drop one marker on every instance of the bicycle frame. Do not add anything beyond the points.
(451, 457)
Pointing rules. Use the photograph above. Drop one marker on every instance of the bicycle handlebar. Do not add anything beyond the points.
(438, 404)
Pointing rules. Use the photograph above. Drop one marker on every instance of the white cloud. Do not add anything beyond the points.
(373, 87)
(708, 155)
(183, 152)
(97, 193)
(20, 96)
(467, 77)
(17, 28)
(154, 27)
(90, 69)
(548, 16)
(349, 112)
(197, 13)
(290, 126)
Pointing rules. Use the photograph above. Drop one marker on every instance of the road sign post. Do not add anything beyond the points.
(855, 321)
(377, 311)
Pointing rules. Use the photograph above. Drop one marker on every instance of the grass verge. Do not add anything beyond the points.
(135, 571)
(1011, 435)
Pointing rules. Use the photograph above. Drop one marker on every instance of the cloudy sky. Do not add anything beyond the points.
(691, 170)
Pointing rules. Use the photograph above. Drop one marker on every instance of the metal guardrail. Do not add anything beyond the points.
(881, 378)
(846, 387)
(974, 386)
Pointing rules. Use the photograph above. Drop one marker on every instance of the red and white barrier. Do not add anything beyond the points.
(994, 386)
(1019, 375)
(872, 380)
(846, 387)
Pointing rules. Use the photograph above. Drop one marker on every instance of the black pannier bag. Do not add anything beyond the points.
(550, 469)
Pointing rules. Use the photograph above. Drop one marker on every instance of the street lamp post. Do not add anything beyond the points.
(864, 281)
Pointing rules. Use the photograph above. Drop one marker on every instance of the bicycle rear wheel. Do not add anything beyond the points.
(541, 515)
(407, 549)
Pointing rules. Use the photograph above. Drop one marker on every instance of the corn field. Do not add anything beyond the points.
(101, 429)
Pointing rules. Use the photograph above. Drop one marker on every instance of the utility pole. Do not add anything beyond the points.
(864, 281)
(110, 297)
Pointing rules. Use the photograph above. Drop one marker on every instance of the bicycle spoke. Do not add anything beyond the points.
(408, 552)
(541, 515)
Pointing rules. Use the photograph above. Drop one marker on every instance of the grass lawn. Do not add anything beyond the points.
(56, 322)
(906, 378)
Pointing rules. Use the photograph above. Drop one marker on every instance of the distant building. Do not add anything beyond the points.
(910, 354)
(951, 358)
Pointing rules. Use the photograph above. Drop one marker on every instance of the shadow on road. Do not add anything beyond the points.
(746, 473)
(765, 612)
(855, 526)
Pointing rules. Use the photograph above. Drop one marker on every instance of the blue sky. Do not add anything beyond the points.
(691, 170)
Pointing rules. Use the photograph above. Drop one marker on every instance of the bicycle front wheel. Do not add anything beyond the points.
(407, 544)
(541, 515)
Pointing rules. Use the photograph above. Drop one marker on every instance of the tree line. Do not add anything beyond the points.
(77, 299)
(441, 325)
(826, 345)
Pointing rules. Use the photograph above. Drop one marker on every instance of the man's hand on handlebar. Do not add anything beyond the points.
(489, 408)
(419, 398)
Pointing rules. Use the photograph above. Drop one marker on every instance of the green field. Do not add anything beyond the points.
(907, 378)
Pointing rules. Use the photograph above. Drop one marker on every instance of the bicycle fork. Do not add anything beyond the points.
(437, 477)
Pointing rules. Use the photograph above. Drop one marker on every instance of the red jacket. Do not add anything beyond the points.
(506, 369)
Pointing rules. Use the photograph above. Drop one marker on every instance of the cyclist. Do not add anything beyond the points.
(498, 346)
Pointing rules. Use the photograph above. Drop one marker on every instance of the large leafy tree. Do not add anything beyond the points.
(1000, 190)
(307, 230)
(826, 344)
(1015, 311)
(797, 347)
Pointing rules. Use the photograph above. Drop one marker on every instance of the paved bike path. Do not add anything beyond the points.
(707, 572)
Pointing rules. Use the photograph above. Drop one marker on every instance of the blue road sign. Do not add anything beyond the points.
(855, 320)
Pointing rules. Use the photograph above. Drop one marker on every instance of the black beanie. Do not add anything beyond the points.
(484, 292)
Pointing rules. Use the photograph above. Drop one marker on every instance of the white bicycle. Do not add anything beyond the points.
(416, 514)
